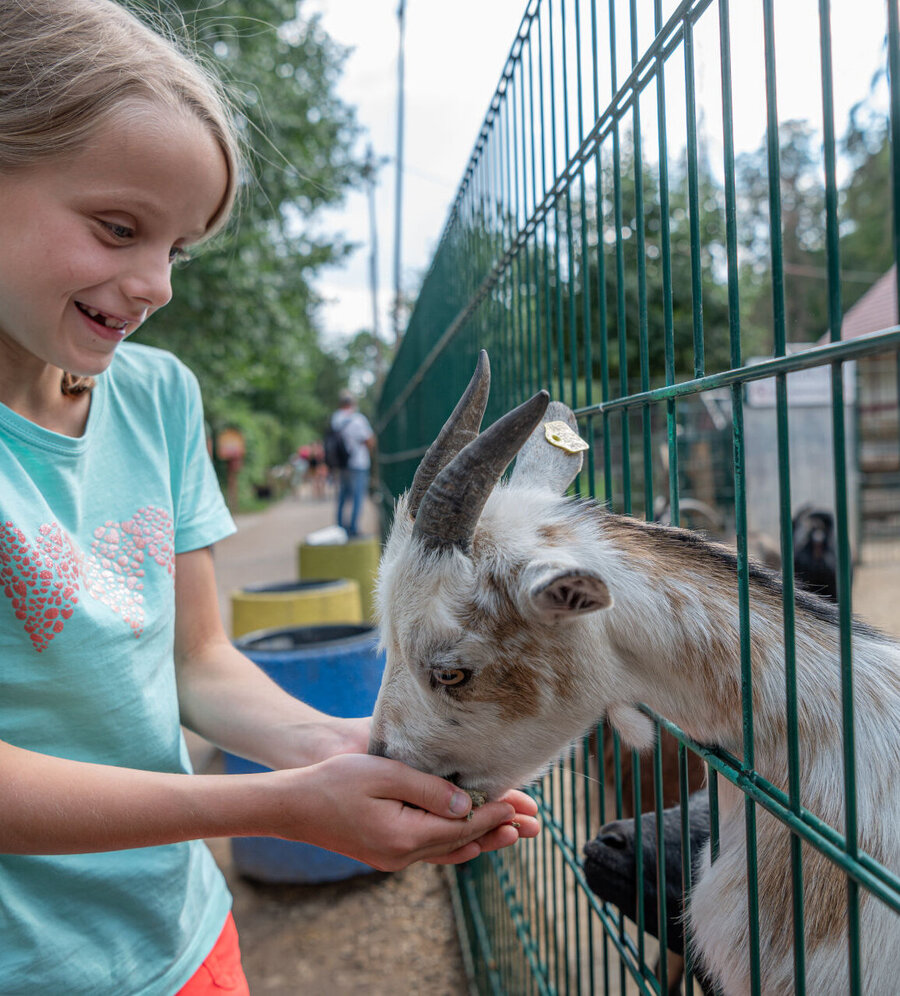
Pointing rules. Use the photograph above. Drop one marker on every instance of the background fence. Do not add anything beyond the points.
(721, 314)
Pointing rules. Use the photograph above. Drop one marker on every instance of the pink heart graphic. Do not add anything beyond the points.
(43, 580)
(41, 583)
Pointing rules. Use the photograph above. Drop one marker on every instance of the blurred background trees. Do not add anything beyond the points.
(244, 311)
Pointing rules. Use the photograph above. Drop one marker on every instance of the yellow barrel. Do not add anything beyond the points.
(357, 558)
(295, 603)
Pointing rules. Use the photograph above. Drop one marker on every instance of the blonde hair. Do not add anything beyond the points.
(66, 66)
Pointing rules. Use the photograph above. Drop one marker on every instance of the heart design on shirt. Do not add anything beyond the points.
(119, 553)
(42, 584)
(43, 579)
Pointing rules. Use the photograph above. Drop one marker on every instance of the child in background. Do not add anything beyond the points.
(117, 153)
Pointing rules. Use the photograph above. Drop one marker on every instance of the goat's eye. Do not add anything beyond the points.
(451, 676)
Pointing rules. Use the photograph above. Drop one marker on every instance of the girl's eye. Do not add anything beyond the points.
(122, 232)
(178, 256)
(451, 676)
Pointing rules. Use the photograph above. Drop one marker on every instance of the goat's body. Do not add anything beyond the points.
(719, 912)
(675, 640)
(497, 661)
(672, 641)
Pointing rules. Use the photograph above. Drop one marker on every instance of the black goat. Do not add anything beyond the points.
(815, 551)
(610, 870)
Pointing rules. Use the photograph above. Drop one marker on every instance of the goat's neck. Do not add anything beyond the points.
(675, 627)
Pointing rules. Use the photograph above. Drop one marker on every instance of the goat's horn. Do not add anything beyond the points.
(461, 428)
(451, 507)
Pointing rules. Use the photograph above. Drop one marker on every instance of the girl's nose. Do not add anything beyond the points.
(149, 280)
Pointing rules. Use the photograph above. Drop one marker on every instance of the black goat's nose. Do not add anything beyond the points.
(378, 748)
(613, 838)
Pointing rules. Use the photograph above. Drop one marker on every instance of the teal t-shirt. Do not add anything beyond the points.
(89, 529)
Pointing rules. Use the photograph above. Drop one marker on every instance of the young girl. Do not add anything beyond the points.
(116, 155)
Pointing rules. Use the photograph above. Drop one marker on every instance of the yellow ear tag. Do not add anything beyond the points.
(562, 437)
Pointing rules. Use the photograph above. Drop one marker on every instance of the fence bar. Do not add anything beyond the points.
(834, 846)
(851, 349)
(784, 488)
(666, 255)
(693, 197)
(663, 933)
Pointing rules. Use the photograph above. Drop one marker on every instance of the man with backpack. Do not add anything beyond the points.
(348, 446)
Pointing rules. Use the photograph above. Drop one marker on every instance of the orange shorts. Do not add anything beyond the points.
(221, 971)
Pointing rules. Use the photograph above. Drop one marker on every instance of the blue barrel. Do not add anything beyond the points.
(334, 668)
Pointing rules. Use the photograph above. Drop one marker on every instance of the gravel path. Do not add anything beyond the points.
(876, 586)
(383, 935)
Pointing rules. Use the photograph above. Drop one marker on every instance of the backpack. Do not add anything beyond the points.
(337, 456)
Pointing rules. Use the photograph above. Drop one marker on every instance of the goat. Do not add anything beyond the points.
(610, 868)
(815, 551)
(514, 617)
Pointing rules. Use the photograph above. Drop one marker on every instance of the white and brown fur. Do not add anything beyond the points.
(560, 613)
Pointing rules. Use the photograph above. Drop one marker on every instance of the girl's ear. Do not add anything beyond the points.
(559, 593)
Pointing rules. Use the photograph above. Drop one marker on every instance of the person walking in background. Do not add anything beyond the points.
(351, 462)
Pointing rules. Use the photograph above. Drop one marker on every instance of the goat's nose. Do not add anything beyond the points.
(613, 838)
(378, 748)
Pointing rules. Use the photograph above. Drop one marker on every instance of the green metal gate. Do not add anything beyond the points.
(594, 248)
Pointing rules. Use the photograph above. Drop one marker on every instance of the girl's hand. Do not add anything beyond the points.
(505, 834)
(388, 815)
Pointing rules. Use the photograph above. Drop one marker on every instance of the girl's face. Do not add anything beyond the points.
(87, 243)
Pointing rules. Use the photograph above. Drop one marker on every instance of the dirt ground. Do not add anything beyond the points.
(384, 935)
(876, 586)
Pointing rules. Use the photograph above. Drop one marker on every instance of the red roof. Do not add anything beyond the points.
(875, 310)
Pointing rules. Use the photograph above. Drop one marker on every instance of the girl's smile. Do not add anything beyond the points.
(87, 243)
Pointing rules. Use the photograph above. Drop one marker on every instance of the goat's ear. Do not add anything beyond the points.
(541, 463)
(567, 594)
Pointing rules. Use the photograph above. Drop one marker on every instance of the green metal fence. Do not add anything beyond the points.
(595, 248)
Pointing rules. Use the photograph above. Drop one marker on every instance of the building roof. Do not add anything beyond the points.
(875, 310)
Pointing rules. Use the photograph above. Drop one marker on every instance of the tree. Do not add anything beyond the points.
(802, 197)
(867, 238)
(865, 224)
(712, 307)
(244, 314)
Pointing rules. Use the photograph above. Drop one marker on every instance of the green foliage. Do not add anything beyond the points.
(802, 198)
(244, 313)
(866, 238)
(366, 358)
(261, 437)
(709, 312)
(633, 310)
(867, 241)
(628, 329)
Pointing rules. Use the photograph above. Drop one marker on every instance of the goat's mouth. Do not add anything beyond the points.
(478, 797)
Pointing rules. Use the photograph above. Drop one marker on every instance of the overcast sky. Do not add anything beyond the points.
(454, 55)
(455, 52)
